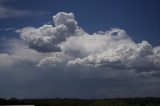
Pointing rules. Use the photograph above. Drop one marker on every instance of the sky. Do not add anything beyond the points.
(79, 48)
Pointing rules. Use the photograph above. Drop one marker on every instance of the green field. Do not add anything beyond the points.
(149, 101)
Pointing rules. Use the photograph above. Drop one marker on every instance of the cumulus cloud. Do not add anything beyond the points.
(47, 38)
(110, 49)
(108, 61)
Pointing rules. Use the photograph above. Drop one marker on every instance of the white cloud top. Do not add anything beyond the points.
(67, 54)
(71, 46)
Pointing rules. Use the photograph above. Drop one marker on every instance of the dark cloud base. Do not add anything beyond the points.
(62, 60)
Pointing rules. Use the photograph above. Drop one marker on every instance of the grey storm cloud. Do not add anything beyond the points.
(65, 61)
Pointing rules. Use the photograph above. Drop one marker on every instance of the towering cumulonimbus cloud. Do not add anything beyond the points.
(71, 46)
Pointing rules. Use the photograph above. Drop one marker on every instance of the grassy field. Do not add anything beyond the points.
(84, 102)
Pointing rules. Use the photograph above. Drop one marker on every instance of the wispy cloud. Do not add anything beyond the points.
(7, 29)
(10, 12)
(4, 1)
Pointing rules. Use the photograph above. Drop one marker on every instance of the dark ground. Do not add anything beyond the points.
(148, 101)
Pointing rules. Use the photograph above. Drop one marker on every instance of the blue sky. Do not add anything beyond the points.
(79, 48)
(139, 18)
